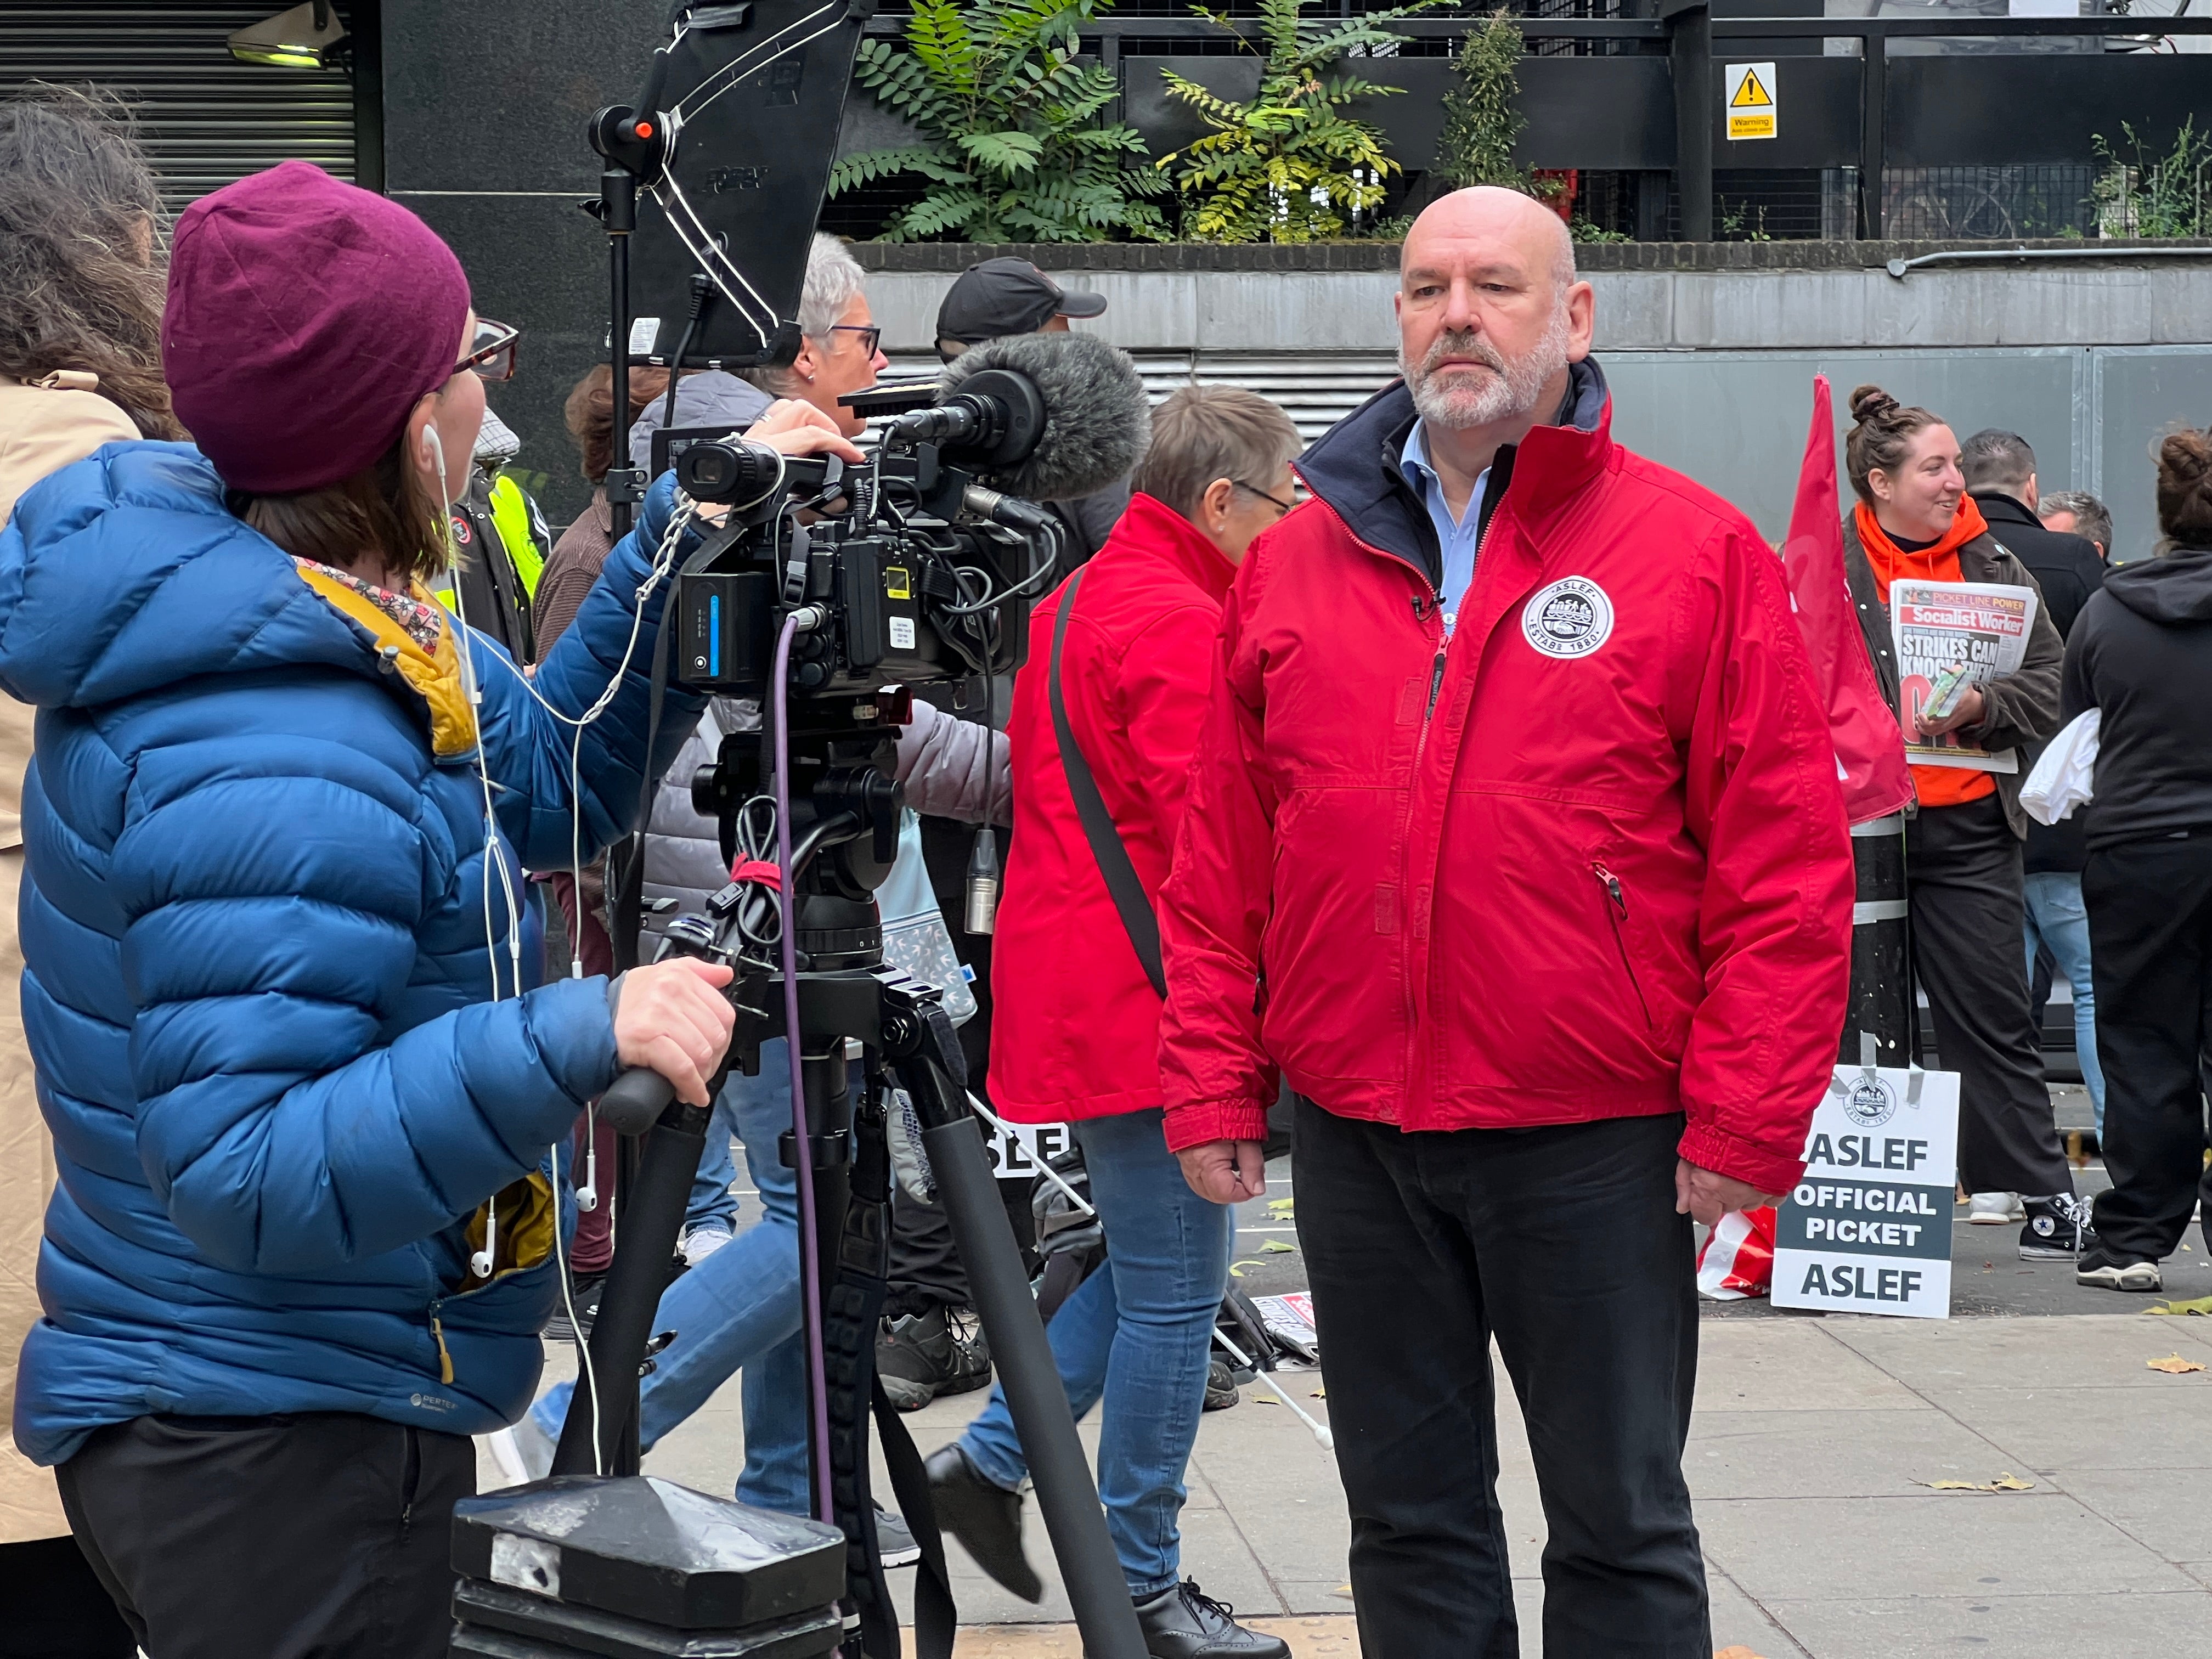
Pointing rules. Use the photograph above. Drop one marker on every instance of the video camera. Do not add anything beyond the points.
(823, 589)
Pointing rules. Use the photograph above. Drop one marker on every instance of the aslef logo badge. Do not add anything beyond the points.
(1571, 618)
(1871, 1104)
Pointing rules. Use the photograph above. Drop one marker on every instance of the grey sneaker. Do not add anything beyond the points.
(895, 1544)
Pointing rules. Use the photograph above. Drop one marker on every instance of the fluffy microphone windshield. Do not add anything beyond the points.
(1097, 420)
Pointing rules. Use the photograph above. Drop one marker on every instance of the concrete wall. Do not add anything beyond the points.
(1711, 369)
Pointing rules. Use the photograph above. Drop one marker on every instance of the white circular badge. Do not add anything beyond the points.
(1571, 618)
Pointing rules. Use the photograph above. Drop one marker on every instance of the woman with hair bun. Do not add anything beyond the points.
(2141, 653)
(1964, 833)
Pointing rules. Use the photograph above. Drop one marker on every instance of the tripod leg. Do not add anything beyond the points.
(829, 1127)
(635, 1279)
(1066, 1496)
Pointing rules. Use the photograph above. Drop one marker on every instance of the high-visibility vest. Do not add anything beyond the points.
(513, 516)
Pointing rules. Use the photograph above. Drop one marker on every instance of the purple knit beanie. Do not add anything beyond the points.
(305, 317)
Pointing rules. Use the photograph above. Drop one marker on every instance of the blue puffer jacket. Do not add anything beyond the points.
(258, 988)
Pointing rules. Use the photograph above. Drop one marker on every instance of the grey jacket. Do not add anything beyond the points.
(2022, 709)
(713, 396)
(948, 771)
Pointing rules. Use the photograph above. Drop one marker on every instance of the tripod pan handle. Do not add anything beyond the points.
(637, 1101)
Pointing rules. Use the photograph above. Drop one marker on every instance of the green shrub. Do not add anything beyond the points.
(1018, 146)
(1291, 165)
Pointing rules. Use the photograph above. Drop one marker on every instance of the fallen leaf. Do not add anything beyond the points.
(2006, 1482)
(1276, 1247)
(1237, 1268)
(2203, 1304)
(1342, 1589)
(1265, 1399)
(1281, 1206)
(1321, 1394)
(2174, 1365)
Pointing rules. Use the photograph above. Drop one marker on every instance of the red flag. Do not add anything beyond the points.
(1870, 749)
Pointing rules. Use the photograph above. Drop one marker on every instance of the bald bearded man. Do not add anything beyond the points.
(1514, 843)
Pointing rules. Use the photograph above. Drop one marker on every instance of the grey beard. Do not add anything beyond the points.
(1510, 393)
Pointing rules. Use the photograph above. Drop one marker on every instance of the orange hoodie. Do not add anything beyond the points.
(1935, 785)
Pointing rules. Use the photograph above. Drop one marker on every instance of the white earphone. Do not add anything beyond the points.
(480, 1263)
(587, 1195)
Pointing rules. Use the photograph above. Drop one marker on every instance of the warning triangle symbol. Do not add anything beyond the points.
(1751, 95)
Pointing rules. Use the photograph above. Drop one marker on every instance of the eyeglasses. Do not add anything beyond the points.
(871, 334)
(1280, 505)
(491, 354)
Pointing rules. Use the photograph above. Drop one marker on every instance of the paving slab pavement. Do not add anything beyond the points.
(1809, 1448)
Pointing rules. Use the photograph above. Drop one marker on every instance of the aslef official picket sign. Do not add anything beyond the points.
(1869, 1229)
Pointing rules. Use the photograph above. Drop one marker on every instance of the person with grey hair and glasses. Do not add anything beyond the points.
(840, 351)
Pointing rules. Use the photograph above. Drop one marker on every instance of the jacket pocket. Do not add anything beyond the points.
(1616, 912)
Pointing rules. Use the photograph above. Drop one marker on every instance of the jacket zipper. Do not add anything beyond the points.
(438, 1333)
(1619, 913)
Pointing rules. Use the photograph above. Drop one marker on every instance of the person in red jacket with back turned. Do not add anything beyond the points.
(1076, 1033)
(1514, 840)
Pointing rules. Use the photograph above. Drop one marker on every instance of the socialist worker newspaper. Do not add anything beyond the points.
(1940, 627)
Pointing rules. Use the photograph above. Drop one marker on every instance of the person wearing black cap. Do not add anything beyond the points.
(998, 297)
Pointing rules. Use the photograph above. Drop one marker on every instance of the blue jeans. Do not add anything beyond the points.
(738, 1310)
(711, 1197)
(2056, 917)
(1136, 1335)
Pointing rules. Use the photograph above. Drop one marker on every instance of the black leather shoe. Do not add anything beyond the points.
(985, 1518)
(1183, 1622)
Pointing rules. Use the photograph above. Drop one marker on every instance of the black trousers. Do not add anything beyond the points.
(324, 1534)
(1563, 1244)
(2150, 949)
(1962, 872)
(55, 1605)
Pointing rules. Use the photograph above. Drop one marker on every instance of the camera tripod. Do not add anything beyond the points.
(842, 819)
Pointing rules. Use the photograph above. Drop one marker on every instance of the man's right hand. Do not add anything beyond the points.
(671, 1016)
(1225, 1171)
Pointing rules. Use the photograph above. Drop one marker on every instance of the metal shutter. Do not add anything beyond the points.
(204, 117)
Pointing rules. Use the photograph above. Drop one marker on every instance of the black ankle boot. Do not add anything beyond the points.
(1183, 1622)
(985, 1518)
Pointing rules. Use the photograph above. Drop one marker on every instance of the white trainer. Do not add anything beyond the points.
(1995, 1209)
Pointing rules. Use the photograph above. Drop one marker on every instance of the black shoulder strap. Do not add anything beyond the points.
(1128, 892)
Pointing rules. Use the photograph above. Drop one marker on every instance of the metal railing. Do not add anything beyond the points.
(1689, 36)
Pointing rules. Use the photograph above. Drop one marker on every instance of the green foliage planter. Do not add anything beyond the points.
(1291, 165)
(1019, 149)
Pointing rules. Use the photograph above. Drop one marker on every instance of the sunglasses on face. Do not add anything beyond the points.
(491, 353)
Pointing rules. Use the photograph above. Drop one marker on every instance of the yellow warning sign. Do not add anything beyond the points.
(1748, 98)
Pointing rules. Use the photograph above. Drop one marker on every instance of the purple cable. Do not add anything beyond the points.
(809, 1250)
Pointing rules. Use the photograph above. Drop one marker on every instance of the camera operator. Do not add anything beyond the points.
(1078, 1022)
(1515, 780)
(306, 1233)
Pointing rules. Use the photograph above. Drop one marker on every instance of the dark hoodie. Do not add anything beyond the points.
(2141, 651)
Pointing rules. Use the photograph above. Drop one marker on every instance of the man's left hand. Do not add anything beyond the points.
(1971, 707)
(1708, 1196)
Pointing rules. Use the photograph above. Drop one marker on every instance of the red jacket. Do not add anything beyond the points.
(1074, 1024)
(1588, 860)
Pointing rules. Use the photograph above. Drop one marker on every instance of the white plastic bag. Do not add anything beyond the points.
(2060, 781)
(916, 941)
